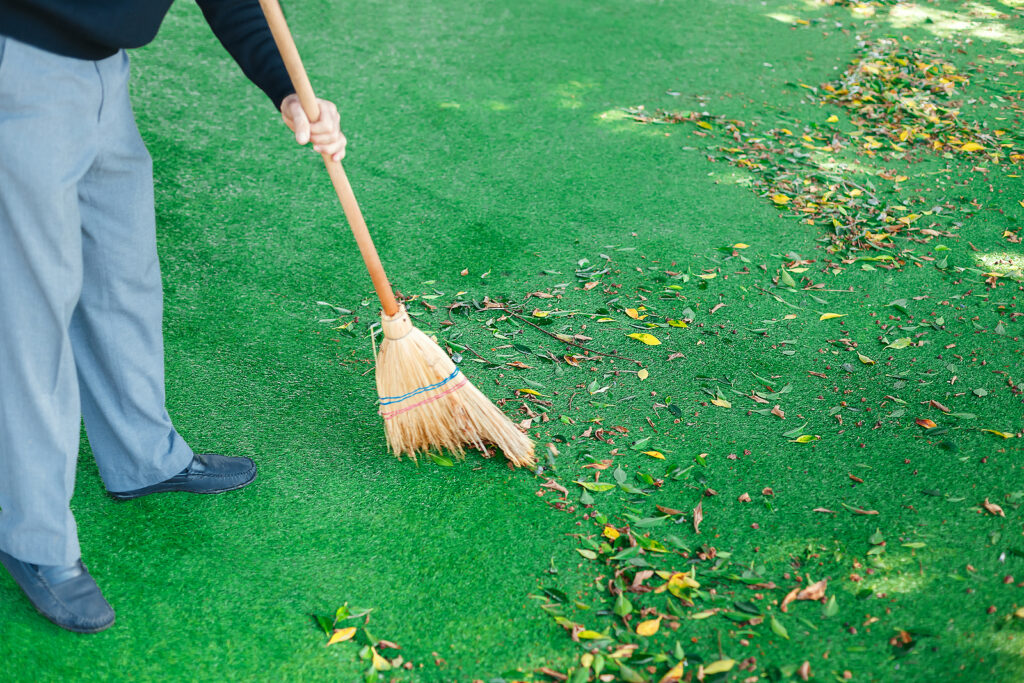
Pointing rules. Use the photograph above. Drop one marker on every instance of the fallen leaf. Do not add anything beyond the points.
(646, 338)
(971, 147)
(675, 674)
(340, 635)
(925, 422)
(993, 509)
(537, 313)
(805, 438)
(901, 343)
(778, 412)
(780, 199)
(740, 245)
(721, 403)
(744, 498)
(790, 597)
(721, 666)
(864, 359)
(698, 516)
(519, 364)
(935, 404)
(654, 454)
(830, 316)
(649, 627)
(804, 672)
(590, 285)
(632, 313)
(1005, 435)
(643, 374)
(816, 591)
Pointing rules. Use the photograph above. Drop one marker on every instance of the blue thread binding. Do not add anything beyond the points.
(387, 400)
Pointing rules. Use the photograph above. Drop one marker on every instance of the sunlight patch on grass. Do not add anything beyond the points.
(946, 24)
(571, 94)
(1003, 262)
(782, 17)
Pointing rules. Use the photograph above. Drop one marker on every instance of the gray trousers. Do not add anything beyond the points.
(80, 297)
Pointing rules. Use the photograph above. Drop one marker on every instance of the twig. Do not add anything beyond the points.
(564, 341)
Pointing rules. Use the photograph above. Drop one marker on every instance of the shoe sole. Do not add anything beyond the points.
(122, 497)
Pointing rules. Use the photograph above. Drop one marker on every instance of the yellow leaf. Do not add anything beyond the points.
(649, 627)
(829, 316)
(740, 245)
(586, 660)
(654, 454)
(610, 533)
(704, 124)
(832, 119)
(340, 635)
(998, 433)
(589, 635)
(721, 666)
(530, 391)
(537, 313)
(379, 663)
(632, 313)
(643, 374)
(606, 320)
(789, 316)
(707, 276)
(971, 147)
(910, 218)
(704, 614)
(675, 674)
(865, 360)
(677, 323)
(806, 438)
(648, 339)
(721, 402)
(780, 198)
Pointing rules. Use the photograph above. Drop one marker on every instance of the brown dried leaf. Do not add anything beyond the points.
(744, 498)
(816, 591)
(698, 517)
(993, 509)
(778, 412)
(790, 597)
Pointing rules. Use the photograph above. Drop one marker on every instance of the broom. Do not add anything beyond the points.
(425, 400)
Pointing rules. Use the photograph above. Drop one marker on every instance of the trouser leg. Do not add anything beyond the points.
(116, 330)
(48, 111)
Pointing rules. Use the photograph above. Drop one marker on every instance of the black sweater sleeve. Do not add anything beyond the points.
(242, 29)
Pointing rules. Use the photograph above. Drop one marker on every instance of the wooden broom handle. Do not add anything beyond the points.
(304, 89)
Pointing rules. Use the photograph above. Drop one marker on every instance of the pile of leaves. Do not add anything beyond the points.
(899, 98)
(382, 657)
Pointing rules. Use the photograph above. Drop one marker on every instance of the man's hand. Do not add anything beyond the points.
(324, 133)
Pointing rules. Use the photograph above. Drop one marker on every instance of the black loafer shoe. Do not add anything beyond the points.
(67, 596)
(208, 473)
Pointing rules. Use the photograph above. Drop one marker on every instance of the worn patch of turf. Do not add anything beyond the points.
(491, 137)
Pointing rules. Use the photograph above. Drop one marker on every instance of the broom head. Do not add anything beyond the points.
(427, 404)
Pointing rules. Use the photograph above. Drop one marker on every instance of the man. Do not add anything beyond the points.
(80, 289)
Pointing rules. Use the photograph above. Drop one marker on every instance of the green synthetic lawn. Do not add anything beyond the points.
(489, 136)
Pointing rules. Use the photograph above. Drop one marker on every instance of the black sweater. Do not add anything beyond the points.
(95, 29)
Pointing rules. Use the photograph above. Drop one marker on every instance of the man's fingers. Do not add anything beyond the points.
(295, 118)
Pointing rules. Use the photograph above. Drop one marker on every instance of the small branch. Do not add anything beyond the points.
(570, 343)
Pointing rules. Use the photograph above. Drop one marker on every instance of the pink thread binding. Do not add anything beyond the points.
(395, 413)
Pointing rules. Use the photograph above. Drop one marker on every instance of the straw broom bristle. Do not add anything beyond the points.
(428, 404)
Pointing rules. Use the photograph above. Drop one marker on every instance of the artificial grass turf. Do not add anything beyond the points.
(477, 141)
